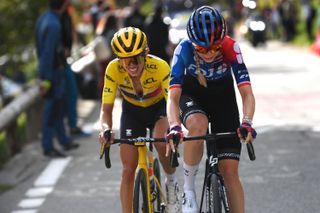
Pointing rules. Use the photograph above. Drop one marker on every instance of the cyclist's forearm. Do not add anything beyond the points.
(106, 116)
(173, 112)
(248, 102)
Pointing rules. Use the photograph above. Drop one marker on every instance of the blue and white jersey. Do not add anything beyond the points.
(228, 58)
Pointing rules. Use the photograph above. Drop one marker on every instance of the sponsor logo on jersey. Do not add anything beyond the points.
(211, 73)
(189, 103)
(244, 76)
(129, 132)
(109, 78)
(149, 81)
(151, 66)
(107, 90)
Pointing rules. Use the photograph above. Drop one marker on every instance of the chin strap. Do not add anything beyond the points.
(201, 79)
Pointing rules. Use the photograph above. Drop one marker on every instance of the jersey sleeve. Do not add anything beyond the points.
(165, 79)
(177, 68)
(110, 85)
(233, 55)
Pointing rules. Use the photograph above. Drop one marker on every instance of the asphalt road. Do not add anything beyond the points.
(283, 178)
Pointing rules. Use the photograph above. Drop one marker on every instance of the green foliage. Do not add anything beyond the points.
(301, 38)
(21, 130)
(147, 8)
(17, 21)
(4, 149)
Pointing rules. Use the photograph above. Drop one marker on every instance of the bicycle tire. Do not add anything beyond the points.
(140, 185)
(157, 174)
(214, 202)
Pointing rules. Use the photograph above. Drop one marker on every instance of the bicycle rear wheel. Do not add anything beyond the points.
(214, 204)
(157, 193)
(140, 196)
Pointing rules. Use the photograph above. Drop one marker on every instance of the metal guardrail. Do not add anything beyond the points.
(28, 104)
(18, 105)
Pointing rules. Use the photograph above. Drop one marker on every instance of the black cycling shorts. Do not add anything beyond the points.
(135, 119)
(218, 103)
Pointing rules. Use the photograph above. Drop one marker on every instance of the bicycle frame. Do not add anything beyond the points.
(145, 162)
(211, 168)
(145, 157)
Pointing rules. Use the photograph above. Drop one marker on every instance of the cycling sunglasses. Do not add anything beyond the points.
(205, 50)
(134, 59)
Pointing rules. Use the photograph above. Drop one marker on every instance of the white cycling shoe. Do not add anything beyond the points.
(189, 202)
(173, 201)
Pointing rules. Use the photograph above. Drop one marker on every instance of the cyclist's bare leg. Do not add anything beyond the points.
(159, 131)
(229, 170)
(129, 159)
(196, 124)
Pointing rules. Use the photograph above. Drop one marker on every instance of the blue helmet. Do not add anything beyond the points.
(206, 26)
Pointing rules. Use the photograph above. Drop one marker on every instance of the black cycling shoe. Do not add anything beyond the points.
(71, 145)
(53, 153)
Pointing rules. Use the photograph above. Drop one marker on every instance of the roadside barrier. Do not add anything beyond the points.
(20, 122)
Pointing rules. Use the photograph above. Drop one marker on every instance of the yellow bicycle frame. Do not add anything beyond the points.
(145, 157)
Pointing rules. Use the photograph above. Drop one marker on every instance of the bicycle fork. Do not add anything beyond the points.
(144, 163)
(213, 166)
(212, 169)
(223, 194)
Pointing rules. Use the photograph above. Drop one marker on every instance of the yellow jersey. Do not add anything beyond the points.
(154, 81)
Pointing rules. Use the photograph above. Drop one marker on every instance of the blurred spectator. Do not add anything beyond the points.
(135, 18)
(95, 13)
(51, 67)
(110, 27)
(316, 44)
(274, 23)
(310, 12)
(155, 28)
(230, 22)
(288, 15)
(68, 37)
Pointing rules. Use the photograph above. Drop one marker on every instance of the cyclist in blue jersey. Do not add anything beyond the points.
(202, 91)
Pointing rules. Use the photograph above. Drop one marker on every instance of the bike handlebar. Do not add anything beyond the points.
(140, 141)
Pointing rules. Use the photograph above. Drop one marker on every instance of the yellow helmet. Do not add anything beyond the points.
(128, 42)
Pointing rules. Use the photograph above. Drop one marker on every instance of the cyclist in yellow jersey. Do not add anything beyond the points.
(147, 89)
(143, 81)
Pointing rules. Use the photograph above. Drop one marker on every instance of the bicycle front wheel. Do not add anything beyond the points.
(213, 195)
(157, 192)
(140, 196)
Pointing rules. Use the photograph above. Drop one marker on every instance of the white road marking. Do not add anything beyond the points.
(39, 192)
(43, 186)
(51, 174)
(31, 203)
(26, 211)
